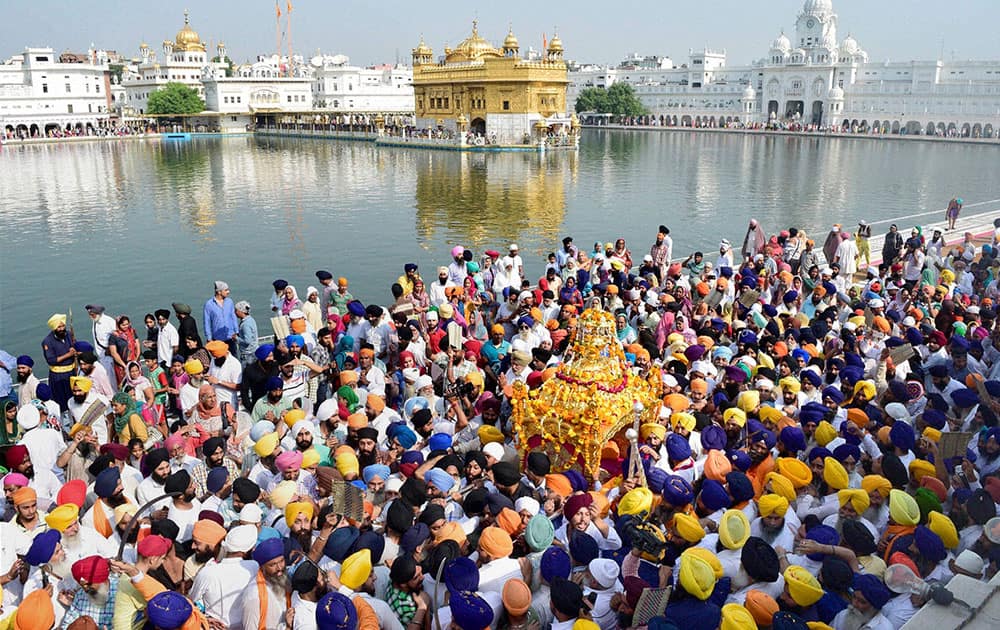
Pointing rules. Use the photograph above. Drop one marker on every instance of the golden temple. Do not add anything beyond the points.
(492, 92)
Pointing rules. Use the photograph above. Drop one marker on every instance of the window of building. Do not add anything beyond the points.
(506, 104)
(45, 88)
(86, 88)
(69, 109)
(68, 90)
(239, 99)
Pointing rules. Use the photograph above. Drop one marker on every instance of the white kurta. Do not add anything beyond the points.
(218, 586)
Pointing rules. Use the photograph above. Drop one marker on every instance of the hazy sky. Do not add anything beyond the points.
(593, 31)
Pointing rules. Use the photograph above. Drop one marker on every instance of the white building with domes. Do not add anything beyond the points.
(813, 78)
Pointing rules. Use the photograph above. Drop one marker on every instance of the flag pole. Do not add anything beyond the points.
(277, 32)
(288, 34)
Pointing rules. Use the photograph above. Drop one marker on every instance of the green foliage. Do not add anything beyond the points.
(116, 69)
(175, 98)
(230, 66)
(619, 100)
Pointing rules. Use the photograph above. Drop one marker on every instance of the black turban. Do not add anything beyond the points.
(505, 474)
(760, 560)
(246, 490)
(178, 481)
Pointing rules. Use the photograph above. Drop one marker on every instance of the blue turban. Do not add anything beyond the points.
(216, 479)
(913, 337)
(939, 370)
(740, 486)
(370, 540)
(812, 376)
(749, 282)
(262, 351)
(461, 574)
(297, 340)
(555, 563)
(106, 482)
(375, 470)
(833, 393)
(992, 388)
(894, 342)
(929, 544)
(526, 320)
(851, 375)
(359, 484)
(629, 358)
(824, 535)
(405, 436)
(793, 439)
(784, 620)
(713, 437)
(356, 308)
(470, 611)
(853, 359)
(898, 389)
(677, 491)
(583, 548)
(267, 533)
(725, 272)
(270, 549)
(656, 478)
(336, 612)
(770, 310)
(874, 589)
(765, 436)
(280, 284)
(410, 267)
(414, 537)
(902, 436)
(748, 337)
(740, 460)
(790, 296)
(714, 496)
(801, 355)
(814, 412)
(576, 480)
(842, 452)
(337, 545)
(722, 352)
(965, 398)
(43, 392)
(678, 448)
(25, 360)
(83, 346)
(168, 610)
(42, 547)
(820, 452)
(960, 343)
(439, 479)
(274, 382)
(439, 442)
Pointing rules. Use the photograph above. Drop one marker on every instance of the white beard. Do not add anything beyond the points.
(100, 598)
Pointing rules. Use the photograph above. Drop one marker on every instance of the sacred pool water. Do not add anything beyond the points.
(137, 224)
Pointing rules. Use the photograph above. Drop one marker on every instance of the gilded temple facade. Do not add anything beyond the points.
(492, 93)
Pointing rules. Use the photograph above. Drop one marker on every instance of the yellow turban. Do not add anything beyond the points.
(825, 433)
(802, 586)
(282, 494)
(795, 470)
(858, 498)
(294, 415)
(748, 401)
(709, 557)
(736, 617)
(688, 527)
(735, 415)
(585, 624)
(903, 509)
(734, 529)
(871, 483)
(652, 428)
(867, 387)
(55, 320)
(932, 434)
(682, 419)
(347, 463)
(82, 382)
(62, 517)
(947, 276)
(310, 458)
(780, 485)
(943, 527)
(790, 384)
(697, 576)
(769, 414)
(266, 444)
(717, 465)
(123, 509)
(356, 569)
(488, 434)
(857, 320)
(193, 367)
(772, 504)
(292, 511)
(834, 474)
(636, 501)
(920, 468)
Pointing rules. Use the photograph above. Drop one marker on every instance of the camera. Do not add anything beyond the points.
(646, 537)
(459, 389)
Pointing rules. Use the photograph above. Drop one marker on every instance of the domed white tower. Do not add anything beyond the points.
(780, 48)
(835, 98)
(749, 104)
(816, 26)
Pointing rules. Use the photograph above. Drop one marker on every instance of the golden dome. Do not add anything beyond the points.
(511, 41)
(187, 39)
(472, 48)
(555, 44)
(422, 49)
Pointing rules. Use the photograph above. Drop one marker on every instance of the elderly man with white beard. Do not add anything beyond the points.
(264, 599)
(47, 559)
(96, 597)
(78, 541)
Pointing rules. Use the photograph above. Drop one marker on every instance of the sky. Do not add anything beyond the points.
(595, 31)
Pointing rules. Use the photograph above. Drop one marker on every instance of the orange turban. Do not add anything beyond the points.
(509, 521)
(451, 531)
(496, 543)
(348, 377)
(717, 465)
(858, 417)
(559, 483)
(795, 470)
(217, 348)
(25, 495)
(36, 612)
(376, 402)
(677, 402)
(699, 386)
(208, 532)
(761, 606)
(357, 420)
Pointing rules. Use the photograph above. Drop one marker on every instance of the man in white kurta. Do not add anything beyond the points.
(231, 373)
(218, 585)
(103, 326)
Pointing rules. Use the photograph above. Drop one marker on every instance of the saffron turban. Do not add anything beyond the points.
(26, 495)
(688, 527)
(451, 530)
(558, 483)
(772, 504)
(858, 498)
(496, 543)
(734, 529)
(903, 508)
(762, 606)
(208, 532)
(802, 586)
(796, 471)
(717, 465)
(292, 511)
(217, 348)
(834, 474)
(62, 517)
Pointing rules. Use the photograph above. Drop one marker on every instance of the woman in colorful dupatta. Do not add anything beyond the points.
(123, 347)
(138, 385)
(128, 421)
(9, 429)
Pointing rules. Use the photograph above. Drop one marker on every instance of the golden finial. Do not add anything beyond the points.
(186, 20)
(475, 27)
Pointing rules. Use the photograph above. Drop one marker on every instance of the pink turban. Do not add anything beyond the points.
(15, 479)
(288, 460)
(174, 440)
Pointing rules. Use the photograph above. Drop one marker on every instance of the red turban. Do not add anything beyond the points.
(74, 492)
(16, 456)
(92, 570)
(576, 503)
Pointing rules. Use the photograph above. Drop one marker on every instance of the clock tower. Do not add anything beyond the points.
(817, 25)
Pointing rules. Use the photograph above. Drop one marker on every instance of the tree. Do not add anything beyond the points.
(230, 67)
(115, 70)
(175, 98)
(619, 100)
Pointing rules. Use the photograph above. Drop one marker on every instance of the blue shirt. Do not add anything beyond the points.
(220, 321)
(247, 337)
(6, 383)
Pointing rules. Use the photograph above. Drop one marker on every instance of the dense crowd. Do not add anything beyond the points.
(362, 471)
